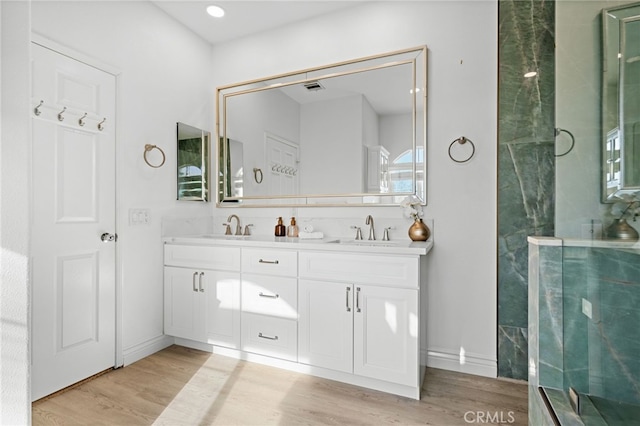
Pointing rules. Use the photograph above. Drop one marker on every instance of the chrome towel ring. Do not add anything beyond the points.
(558, 130)
(257, 175)
(149, 147)
(462, 140)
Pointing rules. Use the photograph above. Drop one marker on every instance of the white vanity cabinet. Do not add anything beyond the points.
(360, 314)
(342, 312)
(202, 294)
(269, 302)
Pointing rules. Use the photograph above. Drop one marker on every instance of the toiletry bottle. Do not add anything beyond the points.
(292, 230)
(281, 231)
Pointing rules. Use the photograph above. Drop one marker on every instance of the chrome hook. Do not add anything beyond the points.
(101, 124)
(81, 121)
(36, 110)
(60, 116)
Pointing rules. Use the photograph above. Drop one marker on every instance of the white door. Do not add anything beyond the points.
(73, 270)
(282, 159)
(325, 325)
(385, 334)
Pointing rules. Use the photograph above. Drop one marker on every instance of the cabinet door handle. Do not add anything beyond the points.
(273, 262)
(358, 299)
(348, 307)
(270, 296)
(200, 282)
(267, 337)
(194, 281)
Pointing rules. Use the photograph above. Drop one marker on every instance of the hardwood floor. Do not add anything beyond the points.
(181, 386)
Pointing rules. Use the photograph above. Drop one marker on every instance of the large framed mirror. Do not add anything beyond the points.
(193, 163)
(621, 102)
(351, 133)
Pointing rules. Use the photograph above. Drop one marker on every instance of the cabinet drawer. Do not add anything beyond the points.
(202, 257)
(270, 261)
(270, 336)
(269, 295)
(389, 271)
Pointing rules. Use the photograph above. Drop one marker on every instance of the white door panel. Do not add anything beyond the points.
(73, 307)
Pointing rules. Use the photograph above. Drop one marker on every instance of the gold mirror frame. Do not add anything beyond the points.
(416, 57)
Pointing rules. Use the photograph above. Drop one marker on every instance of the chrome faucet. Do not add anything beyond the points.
(238, 227)
(372, 232)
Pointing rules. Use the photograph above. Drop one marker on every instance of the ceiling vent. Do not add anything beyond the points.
(313, 86)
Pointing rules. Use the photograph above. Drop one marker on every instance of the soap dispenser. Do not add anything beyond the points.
(280, 228)
(292, 230)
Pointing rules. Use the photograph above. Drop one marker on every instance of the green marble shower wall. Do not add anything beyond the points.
(526, 164)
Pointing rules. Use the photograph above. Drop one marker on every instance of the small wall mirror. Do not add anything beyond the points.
(352, 133)
(193, 163)
(621, 102)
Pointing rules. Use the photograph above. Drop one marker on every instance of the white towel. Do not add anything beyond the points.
(309, 235)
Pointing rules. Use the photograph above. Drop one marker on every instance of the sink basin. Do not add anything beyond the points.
(372, 243)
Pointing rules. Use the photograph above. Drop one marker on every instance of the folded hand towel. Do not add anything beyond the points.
(303, 235)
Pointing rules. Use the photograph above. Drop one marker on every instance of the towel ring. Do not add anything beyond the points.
(256, 172)
(558, 130)
(148, 148)
(462, 140)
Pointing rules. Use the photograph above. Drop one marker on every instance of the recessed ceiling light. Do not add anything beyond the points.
(531, 74)
(215, 11)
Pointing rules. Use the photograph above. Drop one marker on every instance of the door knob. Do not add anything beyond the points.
(107, 237)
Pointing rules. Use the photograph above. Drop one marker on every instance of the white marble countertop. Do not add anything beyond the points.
(325, 244)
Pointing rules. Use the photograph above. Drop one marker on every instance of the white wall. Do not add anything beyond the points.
(331, 134)
(266, 111)
(15, 407)
(462, 41)
(164, 77)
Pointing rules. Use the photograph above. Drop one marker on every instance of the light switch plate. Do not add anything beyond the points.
(139, 217)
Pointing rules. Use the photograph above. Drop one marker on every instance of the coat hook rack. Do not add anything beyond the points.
(462, 140)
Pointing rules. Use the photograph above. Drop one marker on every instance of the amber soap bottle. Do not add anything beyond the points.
(281, 230)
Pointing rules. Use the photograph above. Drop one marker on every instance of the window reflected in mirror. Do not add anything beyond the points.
(193, 163)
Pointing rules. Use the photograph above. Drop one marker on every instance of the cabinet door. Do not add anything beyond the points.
(221, 293)
(325, 324)
(386, 334)
(183, 313)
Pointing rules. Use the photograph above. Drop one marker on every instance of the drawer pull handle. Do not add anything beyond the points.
(200, 282)
(358, 300)
(348, 307)
(267, 337)
(270, 296)
(273, 262)
(195, 274)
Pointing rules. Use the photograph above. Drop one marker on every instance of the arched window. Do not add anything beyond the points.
(401, 171)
